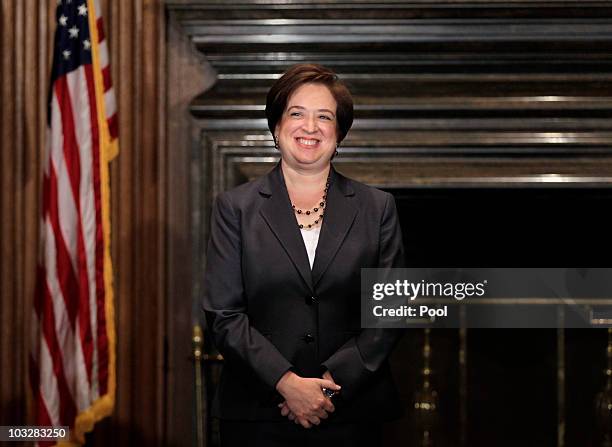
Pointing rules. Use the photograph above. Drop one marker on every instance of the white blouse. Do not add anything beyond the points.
(311, 239)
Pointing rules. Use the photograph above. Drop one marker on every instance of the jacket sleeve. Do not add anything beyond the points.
(360, 357)
(224, 302)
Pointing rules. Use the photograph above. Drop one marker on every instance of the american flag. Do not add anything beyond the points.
(72, 355)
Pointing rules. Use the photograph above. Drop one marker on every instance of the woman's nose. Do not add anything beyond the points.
(310, 124)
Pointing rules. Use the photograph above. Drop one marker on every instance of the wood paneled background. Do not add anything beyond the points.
(136, 30)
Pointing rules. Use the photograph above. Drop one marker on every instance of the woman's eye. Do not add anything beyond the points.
(296, 114)
(325, 117)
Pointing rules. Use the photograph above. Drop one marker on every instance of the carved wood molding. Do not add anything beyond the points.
(502, 77)
(488, 93)
(390, 163)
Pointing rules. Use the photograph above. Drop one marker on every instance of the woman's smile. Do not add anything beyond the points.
(309, 143)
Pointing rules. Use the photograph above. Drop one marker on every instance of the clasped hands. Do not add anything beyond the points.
(305, 403)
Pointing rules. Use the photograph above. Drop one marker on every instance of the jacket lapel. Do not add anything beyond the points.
(340, 212)
(339, 216)
(278, 214)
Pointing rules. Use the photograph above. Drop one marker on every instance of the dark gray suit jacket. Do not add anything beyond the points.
(268, 312)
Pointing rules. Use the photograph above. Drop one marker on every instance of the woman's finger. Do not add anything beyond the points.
(305, 423)
(314, 420)
(329, 406)
(329, 384)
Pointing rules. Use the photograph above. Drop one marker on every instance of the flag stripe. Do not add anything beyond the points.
(74, 365)
(106, 75)
(66, 278)
(103, 54)
(42, 417)
(64, 199)
(46, 413)
(109, 102)
(49, 403)
(98, 317)
(101, 35)
(80, 100)
(70, 146)
(47, 398)
(98, 9)
(55, 387)
(73, 152)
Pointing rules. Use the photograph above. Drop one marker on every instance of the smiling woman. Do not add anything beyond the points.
(309, 113)
(284, 259)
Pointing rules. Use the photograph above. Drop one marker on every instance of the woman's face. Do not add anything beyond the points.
(307, 132)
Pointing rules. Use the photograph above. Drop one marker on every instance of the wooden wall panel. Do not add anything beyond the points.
(188, 74)
(24, 44)
(136, 33)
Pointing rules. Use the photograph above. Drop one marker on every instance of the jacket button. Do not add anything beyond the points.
(308, 338)
(311, 300)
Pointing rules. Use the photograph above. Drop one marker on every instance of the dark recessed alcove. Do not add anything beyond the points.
(513, 393)
(509, 227)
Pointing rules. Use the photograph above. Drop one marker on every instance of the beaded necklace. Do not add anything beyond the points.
(320, 207)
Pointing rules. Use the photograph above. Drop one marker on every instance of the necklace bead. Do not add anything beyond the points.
(321, 206)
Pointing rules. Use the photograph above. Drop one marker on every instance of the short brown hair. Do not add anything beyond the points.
(300, 74)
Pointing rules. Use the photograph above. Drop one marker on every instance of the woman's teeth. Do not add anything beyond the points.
(307, 142)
